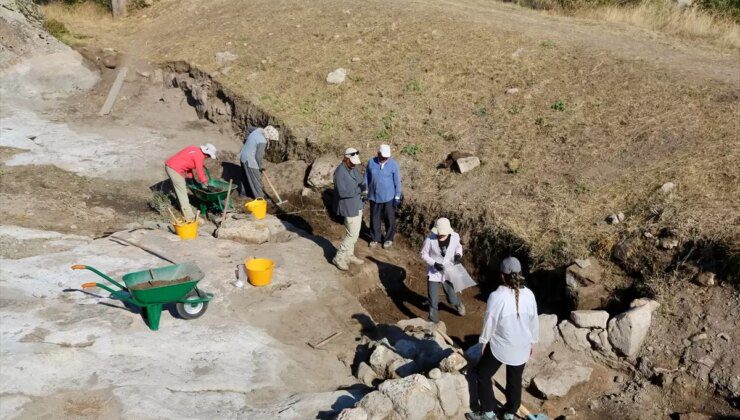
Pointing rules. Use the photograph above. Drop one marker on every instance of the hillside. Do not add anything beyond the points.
(602, 118)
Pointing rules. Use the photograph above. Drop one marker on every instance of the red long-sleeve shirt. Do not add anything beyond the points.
(187, 161)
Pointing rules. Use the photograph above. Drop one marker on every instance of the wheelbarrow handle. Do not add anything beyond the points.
(96, 271)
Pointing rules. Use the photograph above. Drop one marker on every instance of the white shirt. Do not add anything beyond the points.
(511, 336)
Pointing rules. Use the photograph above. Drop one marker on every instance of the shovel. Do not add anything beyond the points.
(280, 201)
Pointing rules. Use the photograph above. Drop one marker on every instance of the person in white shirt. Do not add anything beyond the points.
(510, 329)
(441, 248)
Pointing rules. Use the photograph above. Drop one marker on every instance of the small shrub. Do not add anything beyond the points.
(548, 44)
(55, 28)
(540, 122)
(516, 109)
(160, 202)
(558, 106)
(481, 112)
(413, 86)
(411, 150)
(383, 134)
(387, 120)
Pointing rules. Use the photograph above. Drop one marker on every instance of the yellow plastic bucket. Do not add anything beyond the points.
(259, 271)
(187, 230)
(258, 207)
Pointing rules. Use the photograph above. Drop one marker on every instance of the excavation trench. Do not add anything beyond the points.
(400, 272)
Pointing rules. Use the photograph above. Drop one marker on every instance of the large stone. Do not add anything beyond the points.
(367, 375)
(590, 319)
(337, 76)
(453, 363)
(244, 230)
(557, 378)
(376, 404)
(225, 57)
(599, 339)
(449, 393)
(584, 286)
(576, 338)
(548, 322)
(247, 229)
(388, 364)
(321, 174)
(413, 397)
(627, 331)
(358, 413)
(467, 164)
(287, 177)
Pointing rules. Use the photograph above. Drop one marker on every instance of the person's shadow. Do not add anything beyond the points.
(393, 279)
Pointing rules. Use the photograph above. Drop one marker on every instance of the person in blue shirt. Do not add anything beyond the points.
(252, 158)
(383, 180)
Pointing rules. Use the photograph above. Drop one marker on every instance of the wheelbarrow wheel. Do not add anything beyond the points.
(191, 310)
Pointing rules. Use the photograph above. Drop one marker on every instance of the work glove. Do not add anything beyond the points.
(262, 169)
(363, 196)
(439, 267)
(396, 203)
(458, 258)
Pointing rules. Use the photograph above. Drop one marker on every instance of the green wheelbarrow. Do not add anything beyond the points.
(211, 196)
(150, 289)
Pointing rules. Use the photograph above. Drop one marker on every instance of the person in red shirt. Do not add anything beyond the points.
(188, 163)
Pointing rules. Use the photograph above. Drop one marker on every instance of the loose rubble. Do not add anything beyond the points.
(429, 386)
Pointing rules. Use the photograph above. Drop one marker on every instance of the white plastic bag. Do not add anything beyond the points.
(459, 277)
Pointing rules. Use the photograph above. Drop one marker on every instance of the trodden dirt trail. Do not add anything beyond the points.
(624, 41)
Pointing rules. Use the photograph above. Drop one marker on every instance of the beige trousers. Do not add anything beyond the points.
(181, 191)
(352, 226)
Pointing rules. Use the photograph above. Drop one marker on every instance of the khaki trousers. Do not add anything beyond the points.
(181, 191)
(347, 247)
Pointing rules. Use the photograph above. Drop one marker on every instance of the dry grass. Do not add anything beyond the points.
(433, 79)
(665, 16)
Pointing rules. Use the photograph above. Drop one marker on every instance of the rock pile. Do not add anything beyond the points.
(417, 374)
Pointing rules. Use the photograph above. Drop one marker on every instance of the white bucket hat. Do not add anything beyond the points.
(442, 227)
(209, 149)
(271, 133)
(353, 155)
(385, 150)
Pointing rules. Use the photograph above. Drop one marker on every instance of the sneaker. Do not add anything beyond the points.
(354, 260)
(461, 309)
(373, 244)
(387, 244)
(509, 416)
(341, 264)
(480, 415)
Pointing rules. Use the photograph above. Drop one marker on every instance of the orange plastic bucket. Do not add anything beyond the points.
(259, 271)
(188, 230)
(258, 207)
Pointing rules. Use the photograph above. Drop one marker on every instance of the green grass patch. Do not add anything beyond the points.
(411, 150)
(558, 106)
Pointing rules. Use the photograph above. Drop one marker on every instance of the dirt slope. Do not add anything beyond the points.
(604, 114)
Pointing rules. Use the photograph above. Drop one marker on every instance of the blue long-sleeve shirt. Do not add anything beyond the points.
(383, 182)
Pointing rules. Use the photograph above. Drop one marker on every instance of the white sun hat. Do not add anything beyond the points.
(209, 149)
(442, 227)
(353, 155)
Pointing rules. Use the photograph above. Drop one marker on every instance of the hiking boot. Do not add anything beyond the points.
(340, 263)
(460, 309)
(373, 244)
(387, 244)
(354, 260)
(480, 415)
